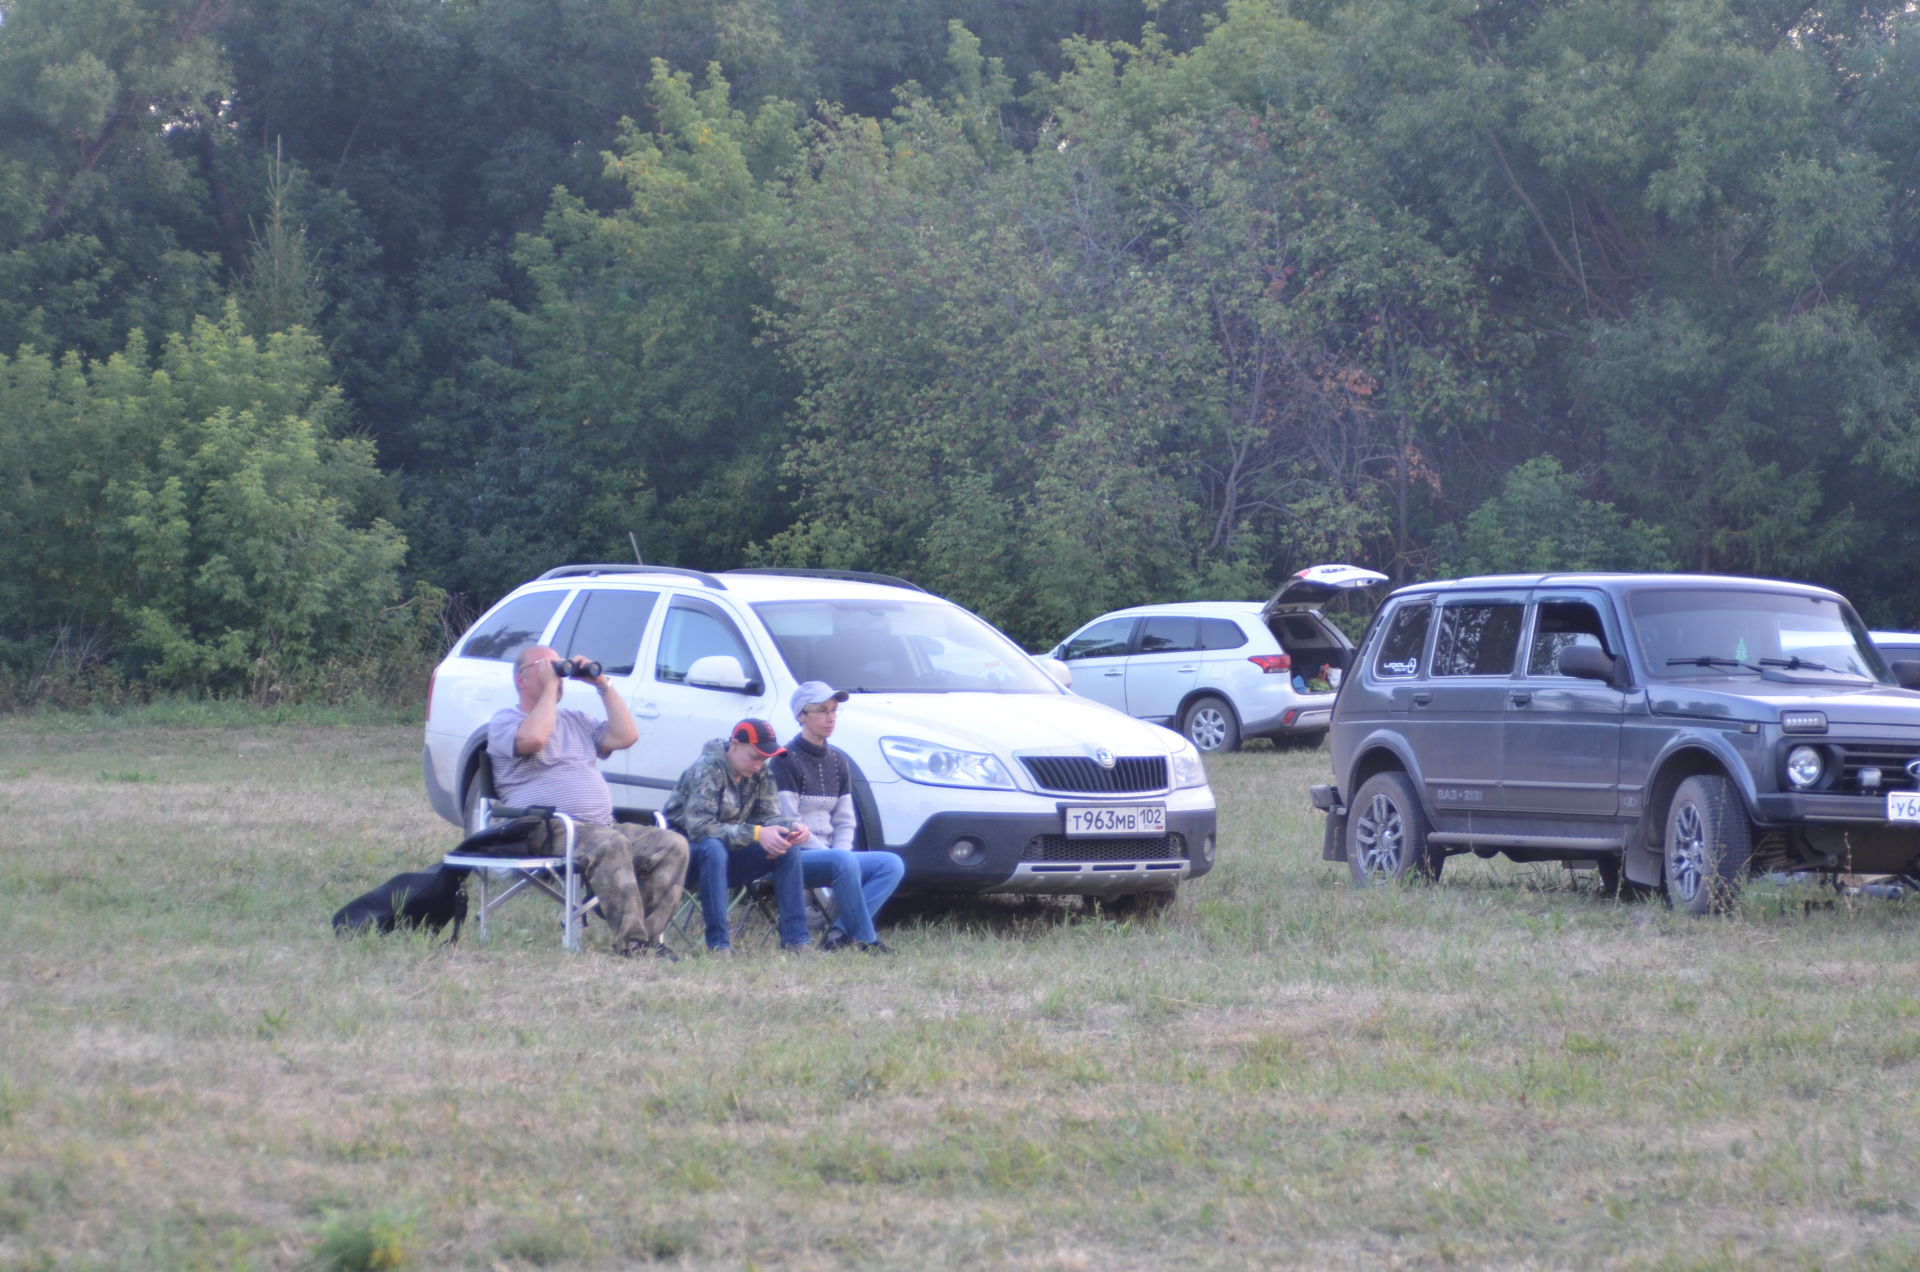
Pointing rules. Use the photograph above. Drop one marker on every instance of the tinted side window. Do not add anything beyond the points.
(513, 626)
(1170, 634)
(696, 629)
(1477, 638)
(1106, 639)
(1220, 633)
(1404, 640)
(608, 627)
(1562, 625)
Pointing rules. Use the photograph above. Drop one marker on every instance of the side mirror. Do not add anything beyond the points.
(1063, 674)
(719, 671)
(1588, 662)
(1906, 673)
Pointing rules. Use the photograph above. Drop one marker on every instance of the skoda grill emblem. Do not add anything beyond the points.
(1104, 758)
(1913, 769)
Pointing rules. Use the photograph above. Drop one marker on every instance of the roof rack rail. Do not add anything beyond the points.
(583, 571)
(851, 576)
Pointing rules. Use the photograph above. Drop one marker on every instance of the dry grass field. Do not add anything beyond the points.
(1504, 1071)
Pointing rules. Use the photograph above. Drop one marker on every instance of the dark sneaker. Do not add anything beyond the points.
(808, 950)
(658, 949)
(877, 946)
(639, 948)
(835, 941)
(719, 951)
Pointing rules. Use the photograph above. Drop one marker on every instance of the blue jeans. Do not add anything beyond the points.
(861, 883)
(712, 870)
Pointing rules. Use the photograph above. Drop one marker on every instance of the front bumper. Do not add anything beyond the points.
(1849, 831)
(1026, 852)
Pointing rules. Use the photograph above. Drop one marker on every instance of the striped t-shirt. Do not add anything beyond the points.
(564, 774)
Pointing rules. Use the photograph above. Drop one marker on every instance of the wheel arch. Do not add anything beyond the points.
(1194, 695)
(1379, 755)
(474, 763)
(1685, 761)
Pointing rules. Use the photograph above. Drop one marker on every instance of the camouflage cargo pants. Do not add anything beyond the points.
(638, 872)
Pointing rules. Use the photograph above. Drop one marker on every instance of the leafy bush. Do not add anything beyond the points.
(196, 520)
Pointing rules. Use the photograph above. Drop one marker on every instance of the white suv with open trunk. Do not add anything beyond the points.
(1223, 671)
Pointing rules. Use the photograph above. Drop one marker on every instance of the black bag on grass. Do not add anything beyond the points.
(429, 899)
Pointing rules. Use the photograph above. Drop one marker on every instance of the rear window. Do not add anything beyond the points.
(1170, 634)
(607, 626)
(1404, 640)
(512, 627)
(1477, 638)
(1220, 633)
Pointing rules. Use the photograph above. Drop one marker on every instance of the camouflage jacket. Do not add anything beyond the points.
(709, 802)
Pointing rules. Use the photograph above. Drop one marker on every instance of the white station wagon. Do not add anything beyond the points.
(970, 759)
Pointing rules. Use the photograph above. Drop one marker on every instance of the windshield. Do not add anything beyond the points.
(905, 646)
(1708, 633)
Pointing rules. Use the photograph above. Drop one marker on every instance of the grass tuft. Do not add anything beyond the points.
(375, 1242)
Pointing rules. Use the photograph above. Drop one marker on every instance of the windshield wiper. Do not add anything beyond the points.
(1796, 663)
(1710, 660)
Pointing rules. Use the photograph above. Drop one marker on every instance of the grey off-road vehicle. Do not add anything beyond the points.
(1675, 731)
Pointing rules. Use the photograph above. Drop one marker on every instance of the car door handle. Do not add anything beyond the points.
(1519, 698)
(1422, 699)
(1113, 672)
(646, 711)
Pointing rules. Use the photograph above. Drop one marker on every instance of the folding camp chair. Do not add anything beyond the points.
(753, 915)
(556, 875)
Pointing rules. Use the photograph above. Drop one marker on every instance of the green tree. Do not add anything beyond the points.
(640, 348)
(991, 380)
(196, 518)
(1701, 214)
(110, 142)
(1540, 521)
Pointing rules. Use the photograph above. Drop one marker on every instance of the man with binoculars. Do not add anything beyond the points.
(546, 755)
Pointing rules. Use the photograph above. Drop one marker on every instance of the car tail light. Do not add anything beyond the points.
(1272, 663)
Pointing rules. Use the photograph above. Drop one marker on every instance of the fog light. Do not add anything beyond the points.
(1205, 856)
(967, 852)
(1803, 766)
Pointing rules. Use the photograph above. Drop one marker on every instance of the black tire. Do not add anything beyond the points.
(1387, 834)
(1210, 724)
(1708, 846)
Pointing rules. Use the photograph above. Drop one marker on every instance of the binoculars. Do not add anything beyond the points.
(588, 670)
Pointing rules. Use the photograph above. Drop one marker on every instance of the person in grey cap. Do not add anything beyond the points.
(815, 784)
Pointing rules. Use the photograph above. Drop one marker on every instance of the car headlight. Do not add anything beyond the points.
(937, 765)
(1804, 765)
(1186, 768)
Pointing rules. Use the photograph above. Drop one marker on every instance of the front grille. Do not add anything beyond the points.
(1889, 757)
(1082, 775)
(1059, 848)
